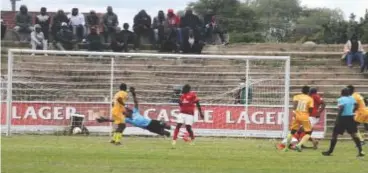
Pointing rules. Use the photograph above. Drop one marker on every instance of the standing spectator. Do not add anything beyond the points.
(110, 22)
(240, 96)
(142, 26)
(43, 19)
(94, 40)
(38, 41)
(23, 22)
(77, 22)
(93, 21)
(57, 20)
(3, 28)
(354, 50)
(213, 28)
(65, 39)
(122, 39)
(159, 27)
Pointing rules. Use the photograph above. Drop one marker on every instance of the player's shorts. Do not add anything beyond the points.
(185, 119)
(292, 142)
(299, 121)
(314, 121)
(345, 123)
(361, 116)
(155, 127)
(118, 117)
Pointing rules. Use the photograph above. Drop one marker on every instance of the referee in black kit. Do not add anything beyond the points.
(345, 121)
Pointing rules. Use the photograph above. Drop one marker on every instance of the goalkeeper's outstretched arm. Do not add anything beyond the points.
(135, 100)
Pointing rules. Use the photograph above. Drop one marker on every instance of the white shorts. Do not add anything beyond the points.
(313, 121)
(292, 142)
(185, 119)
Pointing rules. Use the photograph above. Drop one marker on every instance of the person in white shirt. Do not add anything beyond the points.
(38, 41)
(77, 22)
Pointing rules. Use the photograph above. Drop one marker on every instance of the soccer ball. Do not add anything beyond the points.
(77, 130)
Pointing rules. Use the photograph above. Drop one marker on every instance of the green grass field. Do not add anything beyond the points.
(62, 154)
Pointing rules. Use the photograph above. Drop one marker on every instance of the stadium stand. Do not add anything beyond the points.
(322, 70)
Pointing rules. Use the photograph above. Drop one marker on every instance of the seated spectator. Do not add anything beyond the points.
(3, 28)
(354, 50)
(170, 43)
(38, 41)
(65, 39)
(23, 23)
(191, 21)
(43, 19)
(110, 23)
(142, 26)
(93, 21)
(57, 20)
(212, 28)
(77, 23)
(122, 39)
(159, 27)
(240, 95)
(94, 40)
(192, 44)
(173, 21)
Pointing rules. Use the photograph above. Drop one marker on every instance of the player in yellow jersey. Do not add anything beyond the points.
(361, 114)
(120, 98)
(302, 108)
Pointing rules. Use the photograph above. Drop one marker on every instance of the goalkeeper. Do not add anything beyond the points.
(134, 118)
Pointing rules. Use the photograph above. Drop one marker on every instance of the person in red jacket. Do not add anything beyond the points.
(173, 22)
(172, 19)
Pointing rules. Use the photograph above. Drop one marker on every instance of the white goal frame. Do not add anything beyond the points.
(113, 55)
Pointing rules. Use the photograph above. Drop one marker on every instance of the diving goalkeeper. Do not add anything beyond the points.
(134, 118)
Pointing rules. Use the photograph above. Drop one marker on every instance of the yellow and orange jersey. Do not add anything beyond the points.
(304, 103)
(117, 106)
(359, 100)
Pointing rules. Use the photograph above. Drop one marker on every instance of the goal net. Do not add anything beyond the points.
(240, 95)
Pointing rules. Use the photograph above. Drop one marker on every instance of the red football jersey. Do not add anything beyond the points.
(317, 99)
(188, 103)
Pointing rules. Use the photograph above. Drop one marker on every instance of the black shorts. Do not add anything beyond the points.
(345, 123)
(156, 127)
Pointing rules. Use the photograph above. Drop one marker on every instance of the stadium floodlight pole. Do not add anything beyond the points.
(246, 94)
(286, 98)
(9, 93)
(111, 91)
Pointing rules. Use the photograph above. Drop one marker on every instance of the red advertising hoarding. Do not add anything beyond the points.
(229, 118)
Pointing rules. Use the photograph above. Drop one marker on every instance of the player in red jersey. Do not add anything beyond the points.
(188, 101)
(319, 107)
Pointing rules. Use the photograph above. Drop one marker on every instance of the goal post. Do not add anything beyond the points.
(240, 95)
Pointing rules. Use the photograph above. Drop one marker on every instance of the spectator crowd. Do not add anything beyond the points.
(166, 32)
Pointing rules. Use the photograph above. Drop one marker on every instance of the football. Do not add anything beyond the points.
(77, 130)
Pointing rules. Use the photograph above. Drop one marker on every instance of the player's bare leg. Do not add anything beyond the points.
(191, 134)
(315, 143)
(176, 133)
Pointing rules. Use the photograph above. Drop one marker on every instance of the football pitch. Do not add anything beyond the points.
(64, 154)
